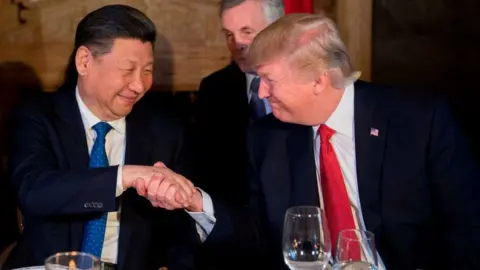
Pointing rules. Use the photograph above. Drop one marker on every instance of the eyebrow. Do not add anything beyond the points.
(130, 61)
(241, 29)
(262, 74)
(247, 28)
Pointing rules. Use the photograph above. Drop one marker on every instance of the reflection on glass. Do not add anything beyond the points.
(356, 251)
(72, 261)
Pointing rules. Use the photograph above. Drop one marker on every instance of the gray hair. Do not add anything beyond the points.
(273, 9)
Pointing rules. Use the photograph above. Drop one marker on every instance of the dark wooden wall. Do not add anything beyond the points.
(433, 46)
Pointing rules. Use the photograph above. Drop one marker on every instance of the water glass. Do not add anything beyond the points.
(306, 239)
(356, 251)
(72, 261)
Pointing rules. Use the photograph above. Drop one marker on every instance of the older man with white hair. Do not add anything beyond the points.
(373, 157)
(228, 100)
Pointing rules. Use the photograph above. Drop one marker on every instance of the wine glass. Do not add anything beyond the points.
(306, 239)
(72, 261)
(356, 251)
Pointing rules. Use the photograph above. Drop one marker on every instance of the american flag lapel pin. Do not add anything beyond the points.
(374, 132)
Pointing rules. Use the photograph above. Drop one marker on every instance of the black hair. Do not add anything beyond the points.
(98, 30)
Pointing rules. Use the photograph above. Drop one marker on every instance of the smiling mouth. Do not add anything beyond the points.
(273, 105)
(128, 99)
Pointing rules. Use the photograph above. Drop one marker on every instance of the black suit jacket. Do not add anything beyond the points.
(222, 117)
(9, 227)
(58, 194)
(418, 184)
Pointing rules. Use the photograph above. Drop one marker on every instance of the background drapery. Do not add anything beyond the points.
(298, 6)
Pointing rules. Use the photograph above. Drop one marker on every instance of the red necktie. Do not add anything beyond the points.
(335, 196)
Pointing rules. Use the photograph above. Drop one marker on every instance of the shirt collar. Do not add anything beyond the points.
(250, 78)
(342, 118)
(91, 119)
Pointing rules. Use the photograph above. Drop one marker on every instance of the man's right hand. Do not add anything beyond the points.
(165, 182)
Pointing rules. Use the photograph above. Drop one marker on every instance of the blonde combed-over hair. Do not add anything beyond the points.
(312, 45)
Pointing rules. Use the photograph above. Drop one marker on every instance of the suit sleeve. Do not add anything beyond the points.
(455, 181)
(42, 188)
(241, 228)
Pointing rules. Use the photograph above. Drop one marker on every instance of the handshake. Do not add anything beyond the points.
(162, 187)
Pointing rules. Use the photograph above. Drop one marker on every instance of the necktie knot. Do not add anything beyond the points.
(101, 128)
(257, 105)
(255, 84)
(325, 133)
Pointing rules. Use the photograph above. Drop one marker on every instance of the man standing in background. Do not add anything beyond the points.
(228, 101)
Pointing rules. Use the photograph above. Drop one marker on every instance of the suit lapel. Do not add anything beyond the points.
(304, 189)
(71, 130)
(137, 152)
(369, 149)
(239, 81)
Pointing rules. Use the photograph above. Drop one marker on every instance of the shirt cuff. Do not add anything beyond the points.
(205, 220)
(207, 203)
(119, 189)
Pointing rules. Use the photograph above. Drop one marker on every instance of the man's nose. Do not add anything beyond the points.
(263, 90)
(138, 85)
(241, 46)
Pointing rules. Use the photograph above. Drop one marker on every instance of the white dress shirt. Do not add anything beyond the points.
(115, 149)
(343, 142)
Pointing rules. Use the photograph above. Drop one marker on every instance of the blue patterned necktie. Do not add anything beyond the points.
(94, 231)
(257, 105)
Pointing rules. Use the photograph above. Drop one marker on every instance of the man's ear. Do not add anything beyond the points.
(83, 60)
(320, 83)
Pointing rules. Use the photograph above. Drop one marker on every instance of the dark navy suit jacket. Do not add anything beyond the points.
(58, 194)
(419, 186)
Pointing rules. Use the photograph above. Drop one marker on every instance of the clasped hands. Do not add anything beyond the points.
(162, 187)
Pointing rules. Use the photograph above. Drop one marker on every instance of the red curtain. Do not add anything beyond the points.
(298, 6)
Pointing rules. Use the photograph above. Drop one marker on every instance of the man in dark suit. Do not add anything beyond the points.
(373, 158)
(77, 155)
(228, 101)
